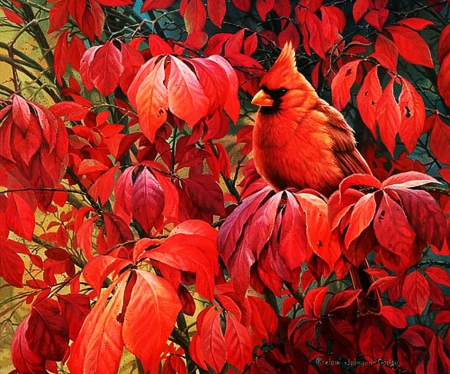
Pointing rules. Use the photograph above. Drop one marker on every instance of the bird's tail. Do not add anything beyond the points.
(368, 302)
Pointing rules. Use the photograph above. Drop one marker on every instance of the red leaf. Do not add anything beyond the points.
(264, 321)
(187, 99)
(85, 66)
(282, 8)
(342, 299)
(149, 318)
(314, 300)
(191, 253)
(290, 33)
(156, 4)
(61, 56)
(216, 11)
(395, 316)
(115, 2)
(194, 16)
(243, 5)
(123, 192)
(59, 15)
(374, 335)
(132, 61)
(358, 180)
(213, 343)
(440, 137)
(232, 104)
(84, 236)
(239, 266)
(388, 117)
(91, 166)
(316, 34)
(411, 45)
(48, 331)
(386, 52)
(106, 68)
(424, 215)
(21, 112)
(443, 81)
(20, 217)
(12, 16)
(413, 115)
(239, 343)
(317, 226)
(75, 308)
(408, 179)
(250, 44)
(118, 231)
(392, 228)
(93, 21)
(263, 7)
(159, 46)
(416, 291)
(342, 83)
(69, 111)
(377, 17)
(171, 197)
(213, 80)
(101, 334)
(149, 96)
(444, 44)
(442, 317)
(413, 337)
(360, 8)
(339, 206)
(231, 230)
(23, 358)
(96, 270)
(359, 248)
(147, 201)
(361, 217)
(415, 23)
(367, 99)
(293, 240)
(103, 187)
(439, 275)
(205, 194)
(12, 266)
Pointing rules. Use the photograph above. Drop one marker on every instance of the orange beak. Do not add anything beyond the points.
(262, 99)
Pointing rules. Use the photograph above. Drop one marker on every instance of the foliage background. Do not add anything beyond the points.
(127, 22)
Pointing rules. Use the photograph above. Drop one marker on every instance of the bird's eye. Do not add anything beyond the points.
(278, 93)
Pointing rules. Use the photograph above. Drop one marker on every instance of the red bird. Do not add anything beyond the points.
(301, 141)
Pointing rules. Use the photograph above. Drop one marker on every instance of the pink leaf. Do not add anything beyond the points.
(147, 201)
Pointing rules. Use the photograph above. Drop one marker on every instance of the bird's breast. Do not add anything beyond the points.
(295, 154)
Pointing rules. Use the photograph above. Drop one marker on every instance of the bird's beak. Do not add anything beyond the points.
(262, 99)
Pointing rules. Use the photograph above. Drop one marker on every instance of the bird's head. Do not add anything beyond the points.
(283, 86)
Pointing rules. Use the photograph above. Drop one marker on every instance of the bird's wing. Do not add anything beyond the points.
(347, 156)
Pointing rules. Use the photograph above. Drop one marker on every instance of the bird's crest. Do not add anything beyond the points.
(284, 71)
(286, 59)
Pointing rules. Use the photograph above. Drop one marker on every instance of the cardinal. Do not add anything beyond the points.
(301, 141)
